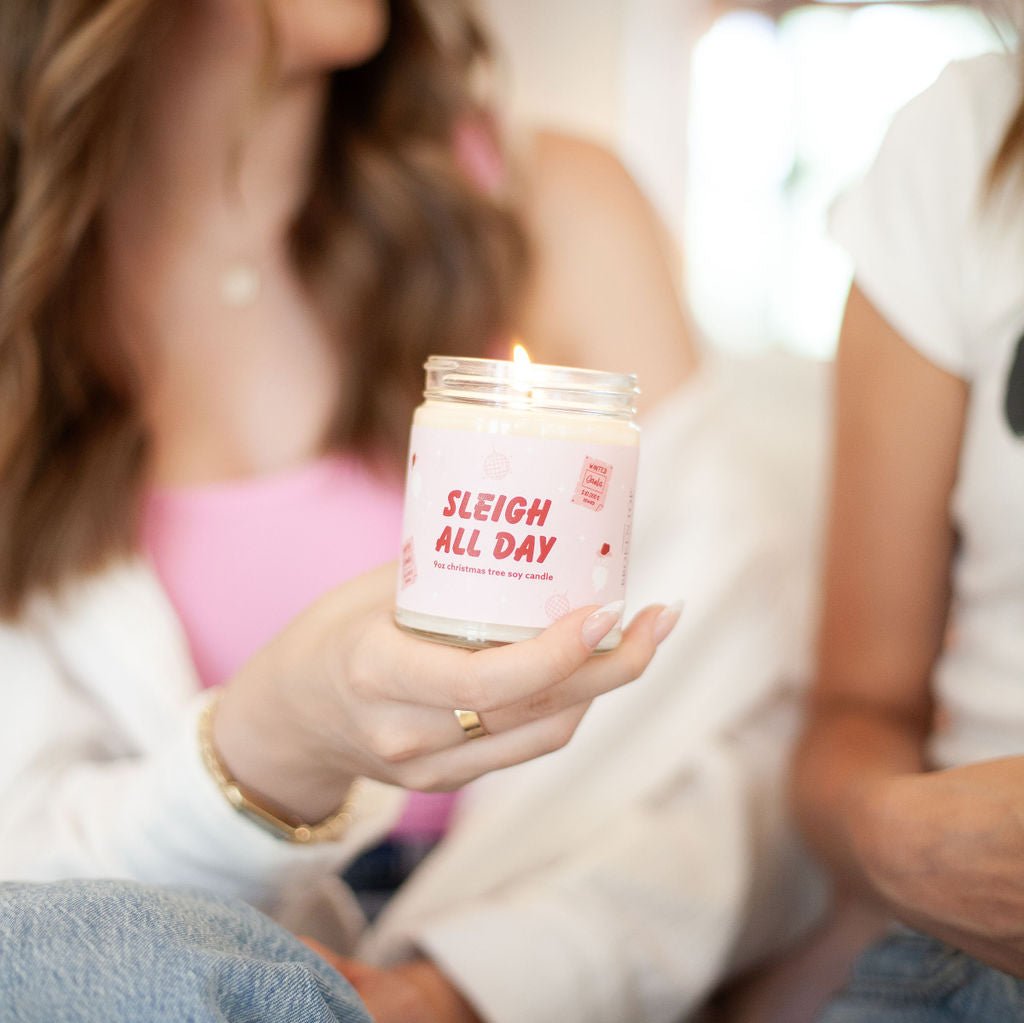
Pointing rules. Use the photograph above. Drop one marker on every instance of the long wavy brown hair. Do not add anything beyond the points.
(402, 252)
(1007, 18)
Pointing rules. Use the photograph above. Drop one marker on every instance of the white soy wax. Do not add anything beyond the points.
(518, 501)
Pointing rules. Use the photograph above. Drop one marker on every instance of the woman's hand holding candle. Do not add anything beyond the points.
(343, 693)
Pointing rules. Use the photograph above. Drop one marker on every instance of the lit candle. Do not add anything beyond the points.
(519, 498)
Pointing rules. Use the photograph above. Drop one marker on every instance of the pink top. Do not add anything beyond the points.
(240, 559)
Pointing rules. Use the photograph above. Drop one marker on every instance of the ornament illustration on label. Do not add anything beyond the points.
(557, 606)
(600, 574)
(497, 465)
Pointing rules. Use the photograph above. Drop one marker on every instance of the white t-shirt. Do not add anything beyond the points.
(945, 266)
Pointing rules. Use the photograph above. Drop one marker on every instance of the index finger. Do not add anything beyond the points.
(486, 680)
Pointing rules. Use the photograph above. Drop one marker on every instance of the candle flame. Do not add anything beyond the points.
(521, 373)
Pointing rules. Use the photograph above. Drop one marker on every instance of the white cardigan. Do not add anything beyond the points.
(615, 881)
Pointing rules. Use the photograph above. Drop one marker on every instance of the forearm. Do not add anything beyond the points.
(939, 850)
(843, 766)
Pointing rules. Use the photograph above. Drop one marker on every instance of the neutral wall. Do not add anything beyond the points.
(613, 70)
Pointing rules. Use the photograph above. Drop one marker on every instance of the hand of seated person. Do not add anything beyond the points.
(945, 849)
(414, 992)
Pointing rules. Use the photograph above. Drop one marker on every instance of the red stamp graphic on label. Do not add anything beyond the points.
(408, 564)
(592, 488)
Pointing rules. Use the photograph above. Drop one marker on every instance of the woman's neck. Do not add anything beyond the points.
(233, 381)
(219, 156)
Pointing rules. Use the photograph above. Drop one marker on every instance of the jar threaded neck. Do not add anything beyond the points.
(531, 385)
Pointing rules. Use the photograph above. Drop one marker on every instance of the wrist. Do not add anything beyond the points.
(883, 835)
(272, 763)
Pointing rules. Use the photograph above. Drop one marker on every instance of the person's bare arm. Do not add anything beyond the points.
(941, 850)
(899, 420)
(604, 293)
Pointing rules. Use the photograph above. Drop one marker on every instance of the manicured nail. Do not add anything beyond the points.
(666, 621)
(601, 622)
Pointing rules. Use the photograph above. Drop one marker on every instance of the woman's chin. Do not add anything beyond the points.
(322, 35)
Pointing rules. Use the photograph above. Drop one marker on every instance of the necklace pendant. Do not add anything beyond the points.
(240, 285)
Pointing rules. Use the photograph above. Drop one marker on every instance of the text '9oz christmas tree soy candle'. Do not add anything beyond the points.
(518, 500)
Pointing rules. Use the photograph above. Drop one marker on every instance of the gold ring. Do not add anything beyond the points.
(470, 723)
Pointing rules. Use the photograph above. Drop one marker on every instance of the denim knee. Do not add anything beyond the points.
(120, 952)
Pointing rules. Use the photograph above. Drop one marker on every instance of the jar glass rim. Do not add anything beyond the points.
(534, 384)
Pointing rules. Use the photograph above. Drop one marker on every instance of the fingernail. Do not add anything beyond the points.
(666, 621)
(601, 622)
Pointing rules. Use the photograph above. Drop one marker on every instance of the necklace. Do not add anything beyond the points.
(240, 284)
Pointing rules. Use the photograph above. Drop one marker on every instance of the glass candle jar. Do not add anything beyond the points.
(518, 501)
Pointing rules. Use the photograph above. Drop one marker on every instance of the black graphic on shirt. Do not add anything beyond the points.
(1015, 392)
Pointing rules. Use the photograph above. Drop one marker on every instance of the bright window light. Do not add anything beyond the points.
(784, 114)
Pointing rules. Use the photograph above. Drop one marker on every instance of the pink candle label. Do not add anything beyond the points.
(514, 530)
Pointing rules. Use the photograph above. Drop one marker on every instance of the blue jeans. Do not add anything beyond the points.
(909, 977)
(119, 952)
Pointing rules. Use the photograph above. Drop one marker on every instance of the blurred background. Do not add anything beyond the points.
(743, 121)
